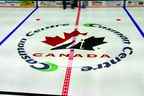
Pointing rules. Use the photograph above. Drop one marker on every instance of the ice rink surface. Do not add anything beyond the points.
(125, 78)
(138, 14)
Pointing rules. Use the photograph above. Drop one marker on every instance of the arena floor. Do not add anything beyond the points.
(32, 62)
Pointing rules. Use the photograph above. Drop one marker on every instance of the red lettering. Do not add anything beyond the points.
(50, 55)
(65, 55)
(105, 56)
(37, 54)
(78, 55)
(91, 55)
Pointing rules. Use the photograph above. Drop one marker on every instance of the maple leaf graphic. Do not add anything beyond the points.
(88, 44)
(53, 41)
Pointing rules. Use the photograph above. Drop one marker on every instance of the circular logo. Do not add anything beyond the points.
(96, 46)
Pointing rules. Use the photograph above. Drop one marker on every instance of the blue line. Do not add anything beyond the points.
(134, 21)
(1, 42)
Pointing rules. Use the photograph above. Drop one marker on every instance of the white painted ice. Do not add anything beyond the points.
(123, 79)
(10, 18)
(138, 15)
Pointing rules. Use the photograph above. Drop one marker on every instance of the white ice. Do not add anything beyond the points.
(123, 79)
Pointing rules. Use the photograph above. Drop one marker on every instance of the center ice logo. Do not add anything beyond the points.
(96, 47)
(86, 44)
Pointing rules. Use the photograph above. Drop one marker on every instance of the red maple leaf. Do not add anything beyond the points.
(53, 41)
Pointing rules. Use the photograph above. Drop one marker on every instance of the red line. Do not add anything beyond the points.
(71, 58)
(78, 15)
(68, 73)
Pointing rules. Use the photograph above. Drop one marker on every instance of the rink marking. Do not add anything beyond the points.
(134, 22)
(24, 93)
(19, 25)
(68, 73)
